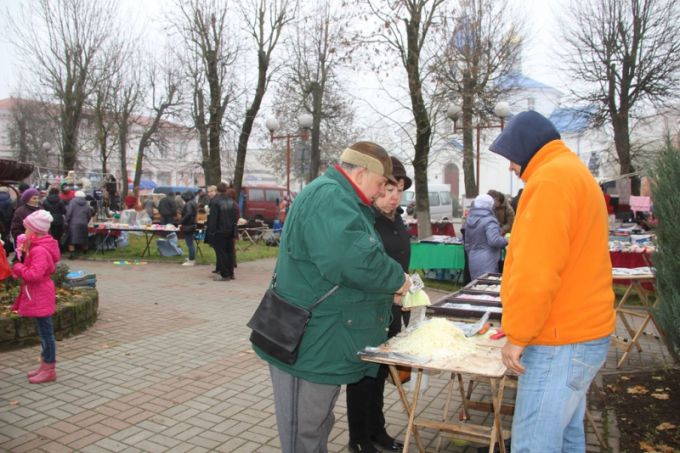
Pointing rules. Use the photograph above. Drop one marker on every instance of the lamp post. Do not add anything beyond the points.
(501, 110)
(305, 122)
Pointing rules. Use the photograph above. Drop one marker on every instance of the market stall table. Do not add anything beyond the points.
(437, 256)
(626, 313)
(148, 233)
(485, 364)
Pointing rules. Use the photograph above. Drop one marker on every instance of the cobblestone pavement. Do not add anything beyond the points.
(168, 367)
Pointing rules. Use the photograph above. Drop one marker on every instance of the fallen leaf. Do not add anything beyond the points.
(664, 426)
(665, 448)
(647, 447)
(14, 402)
(657, 378)
(625, 378)
(660, 396)
(637, 390)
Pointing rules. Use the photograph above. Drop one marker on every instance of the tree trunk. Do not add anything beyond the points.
(622, 145)
(122, 146)
(251, 113)
(69, 139)
(315, 157)
(471, 185)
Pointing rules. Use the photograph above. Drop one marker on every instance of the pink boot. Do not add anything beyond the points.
(37, 370)
(47, 374)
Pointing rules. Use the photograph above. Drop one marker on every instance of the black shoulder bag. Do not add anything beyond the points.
(278, 326)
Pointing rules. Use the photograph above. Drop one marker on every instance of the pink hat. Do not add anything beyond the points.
(39, 221)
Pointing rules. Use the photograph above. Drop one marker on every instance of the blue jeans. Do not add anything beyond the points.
(191, 247)
(551, 396)
(46, 333)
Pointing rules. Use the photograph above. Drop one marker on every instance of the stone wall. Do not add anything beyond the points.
(70, 319)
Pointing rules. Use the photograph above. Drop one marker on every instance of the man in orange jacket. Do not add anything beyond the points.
(557, 287)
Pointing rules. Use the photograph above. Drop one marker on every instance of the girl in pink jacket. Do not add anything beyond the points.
(37, 298)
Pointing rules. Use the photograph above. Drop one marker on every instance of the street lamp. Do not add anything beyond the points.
(501, 110)
(305, 122)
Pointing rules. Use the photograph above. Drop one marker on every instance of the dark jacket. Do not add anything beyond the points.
(167, 206)
(78, 215)
(20, 214)
(6, 210)
(483, 241)
(222, 218)
(330, 239)
(55, 206)
(189, 212)
(394, 237)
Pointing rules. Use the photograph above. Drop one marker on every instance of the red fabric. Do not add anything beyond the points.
(608, 201)
(438, 228)
(130, 201)
(630, 260)
(5, 270)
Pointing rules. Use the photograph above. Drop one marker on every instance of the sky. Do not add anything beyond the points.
(538, 58)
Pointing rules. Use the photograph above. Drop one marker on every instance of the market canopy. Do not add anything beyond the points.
(145, 184)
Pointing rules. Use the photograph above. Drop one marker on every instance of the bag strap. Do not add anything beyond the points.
(324, 297)
(319, 300)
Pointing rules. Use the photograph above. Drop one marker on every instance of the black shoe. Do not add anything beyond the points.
(362, 447)
(387, 442)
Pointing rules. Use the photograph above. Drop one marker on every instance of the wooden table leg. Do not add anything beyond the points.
(148, 236)
(410, 408)
(497, 389)
(445, 415)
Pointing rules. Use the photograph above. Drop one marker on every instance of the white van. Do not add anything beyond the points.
(441, 204)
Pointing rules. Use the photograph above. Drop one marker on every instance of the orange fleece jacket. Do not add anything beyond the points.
(557, 279)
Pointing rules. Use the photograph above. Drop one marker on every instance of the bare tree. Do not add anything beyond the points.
(628, 53)
(32, 124)
(264, 22)
(60, 43)
(127, 96)
(164, 96)
(316, 48)
(483, 48)
(208, 61)
(405, 28)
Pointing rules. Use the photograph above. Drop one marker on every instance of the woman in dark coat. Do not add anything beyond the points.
(365, 398)
(78, 215)
(55, 206)
(29, 203)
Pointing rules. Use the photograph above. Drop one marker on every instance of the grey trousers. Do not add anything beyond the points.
(304, 412)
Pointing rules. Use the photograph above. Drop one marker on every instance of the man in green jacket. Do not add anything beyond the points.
(329, 239)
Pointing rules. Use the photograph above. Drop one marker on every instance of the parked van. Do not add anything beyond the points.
(441, 204)
(261, 202)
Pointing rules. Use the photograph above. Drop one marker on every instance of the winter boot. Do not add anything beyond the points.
(47, 374)
(30, 374)
(188, 263)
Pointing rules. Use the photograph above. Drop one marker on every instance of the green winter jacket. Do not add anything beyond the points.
(329, 239)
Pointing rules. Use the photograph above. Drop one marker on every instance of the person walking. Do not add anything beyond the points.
(188, 224)
(558, 303)
(483, 238)
(365, 401)
(37, 296)
(222, 230)
(330, 240)
(56, 207)
(78, 214)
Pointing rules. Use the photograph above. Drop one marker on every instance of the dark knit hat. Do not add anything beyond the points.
(399, 172)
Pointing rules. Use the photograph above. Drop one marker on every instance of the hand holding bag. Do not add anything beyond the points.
(278, 326)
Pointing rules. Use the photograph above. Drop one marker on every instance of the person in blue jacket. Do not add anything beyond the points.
(483, 238)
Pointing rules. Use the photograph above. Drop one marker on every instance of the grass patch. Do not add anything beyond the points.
(245, 251)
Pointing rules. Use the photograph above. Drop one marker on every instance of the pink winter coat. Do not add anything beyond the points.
(37, 297)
